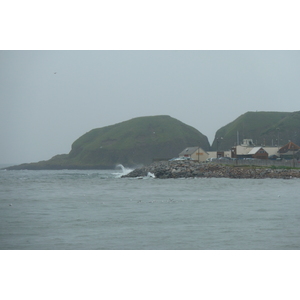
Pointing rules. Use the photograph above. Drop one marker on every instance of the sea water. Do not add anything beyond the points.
(75, 209)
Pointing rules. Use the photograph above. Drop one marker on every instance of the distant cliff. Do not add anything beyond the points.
(134, 142)
(264, 128)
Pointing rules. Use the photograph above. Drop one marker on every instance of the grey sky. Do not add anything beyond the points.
(42, 113)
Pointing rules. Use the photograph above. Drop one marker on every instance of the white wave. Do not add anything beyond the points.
(150, 175)
(124, 170)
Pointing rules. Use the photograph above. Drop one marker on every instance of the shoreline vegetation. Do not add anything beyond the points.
(192, 169)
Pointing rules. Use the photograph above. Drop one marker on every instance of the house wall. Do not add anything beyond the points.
(200, 155)
(227, 153)
(271, 150)
(261, 155)
(290, 155)
(213, 154)
(242, 150)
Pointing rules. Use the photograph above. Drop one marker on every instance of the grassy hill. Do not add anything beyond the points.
(133, 142)
(263, 127)
(137, 141)
(141, 140)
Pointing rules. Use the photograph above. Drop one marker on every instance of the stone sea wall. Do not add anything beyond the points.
(187, 169)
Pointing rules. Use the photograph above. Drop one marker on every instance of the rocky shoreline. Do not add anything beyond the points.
(191, 169)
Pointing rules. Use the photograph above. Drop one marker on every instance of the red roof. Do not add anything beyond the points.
(289, 147)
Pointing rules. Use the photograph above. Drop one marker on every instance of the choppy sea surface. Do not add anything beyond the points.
(75, 209)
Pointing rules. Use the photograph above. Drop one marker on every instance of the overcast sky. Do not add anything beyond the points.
(50, 98)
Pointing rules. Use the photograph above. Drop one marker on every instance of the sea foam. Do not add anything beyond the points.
(124, 170)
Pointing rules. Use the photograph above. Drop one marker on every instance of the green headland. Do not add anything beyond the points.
(135, 142)
(142, 140)
(264, 128)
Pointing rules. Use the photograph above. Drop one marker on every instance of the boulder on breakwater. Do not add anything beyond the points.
(191, 169)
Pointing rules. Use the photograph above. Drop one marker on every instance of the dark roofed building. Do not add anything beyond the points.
(289, 151)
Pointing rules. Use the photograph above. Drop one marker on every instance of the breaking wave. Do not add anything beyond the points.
(124, 171)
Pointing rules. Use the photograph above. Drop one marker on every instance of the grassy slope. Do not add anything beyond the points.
(289, 128)
(133, 142)
(261, 127)
(136, 141)
(139, 140)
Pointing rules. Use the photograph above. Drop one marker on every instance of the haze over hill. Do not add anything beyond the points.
(264, 128)
(50, 98)
(141, 140)
(134, 142)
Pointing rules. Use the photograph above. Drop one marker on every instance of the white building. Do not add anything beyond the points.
(248, 149)
(194, 153)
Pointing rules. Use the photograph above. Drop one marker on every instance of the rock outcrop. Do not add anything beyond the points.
(188, 169)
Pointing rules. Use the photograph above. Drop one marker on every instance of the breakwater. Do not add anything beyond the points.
(190, 169)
